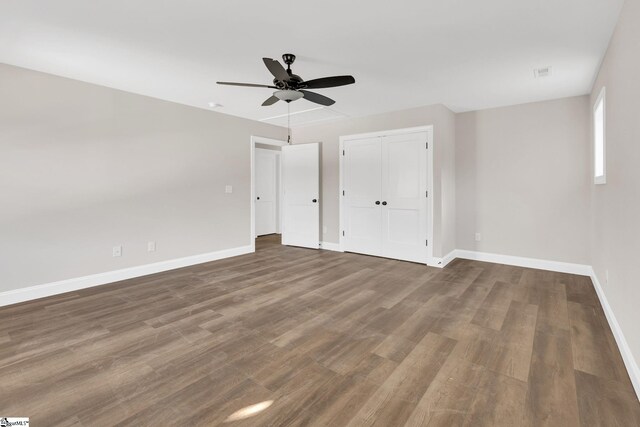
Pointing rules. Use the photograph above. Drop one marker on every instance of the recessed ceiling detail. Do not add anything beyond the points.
(305, 117)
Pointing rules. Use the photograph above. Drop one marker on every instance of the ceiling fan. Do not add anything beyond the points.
(291, 87)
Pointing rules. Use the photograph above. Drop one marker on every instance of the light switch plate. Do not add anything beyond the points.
(228, 189)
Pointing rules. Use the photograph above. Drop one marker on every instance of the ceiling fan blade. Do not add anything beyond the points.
(270, 101)
(276, 69)
(317, 98)
(245, 84)
(329, 82)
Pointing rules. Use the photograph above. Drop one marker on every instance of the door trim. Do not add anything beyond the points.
(252, 206)
(429, 153)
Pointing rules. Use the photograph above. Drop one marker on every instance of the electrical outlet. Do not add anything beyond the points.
(478, 237)
(116, 251)
(228, 189)
(151, 246)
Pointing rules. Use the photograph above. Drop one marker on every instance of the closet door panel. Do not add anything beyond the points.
(404, 184)
(362, 186)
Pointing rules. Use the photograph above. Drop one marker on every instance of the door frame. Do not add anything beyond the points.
(252, 201)
(429, 154)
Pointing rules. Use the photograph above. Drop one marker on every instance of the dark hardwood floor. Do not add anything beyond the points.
(291, 336)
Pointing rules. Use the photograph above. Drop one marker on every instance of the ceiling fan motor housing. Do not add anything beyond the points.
(294, 82)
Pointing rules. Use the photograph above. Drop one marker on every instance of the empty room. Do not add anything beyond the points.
(369, 213)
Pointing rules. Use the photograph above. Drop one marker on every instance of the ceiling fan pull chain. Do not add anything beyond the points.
(288, 123)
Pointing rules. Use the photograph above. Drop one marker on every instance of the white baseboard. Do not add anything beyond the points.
(449, 257)
(40, 291)
(541, 264)
(629, 361)
(330, 246)
(435, 262)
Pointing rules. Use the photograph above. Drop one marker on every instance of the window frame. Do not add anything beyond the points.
(600, 179)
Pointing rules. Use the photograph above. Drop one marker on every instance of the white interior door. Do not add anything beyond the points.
(301, 187)
(266, 190)
(362, 184)
(404, 204)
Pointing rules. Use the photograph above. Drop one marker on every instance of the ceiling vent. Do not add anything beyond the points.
(542, 72)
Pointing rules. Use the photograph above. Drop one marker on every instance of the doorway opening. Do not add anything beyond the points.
(266, 192)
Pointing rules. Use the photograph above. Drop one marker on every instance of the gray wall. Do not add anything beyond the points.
(615, 230)
(328, 135)
(523, 180)
(84, 168)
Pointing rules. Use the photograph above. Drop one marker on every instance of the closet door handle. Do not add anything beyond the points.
(384, 203)
(377, 202)
(258, 198)
(314, 200)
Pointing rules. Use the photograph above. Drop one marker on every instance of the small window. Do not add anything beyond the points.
(599, 135)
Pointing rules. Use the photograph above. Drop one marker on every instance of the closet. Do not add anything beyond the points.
(385, 195)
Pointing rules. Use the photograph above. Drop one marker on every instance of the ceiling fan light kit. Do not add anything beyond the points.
(291, 87)
(288, 95)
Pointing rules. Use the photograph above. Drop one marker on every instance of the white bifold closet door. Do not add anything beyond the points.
(301, 188)
(385, 185)
(266, 190)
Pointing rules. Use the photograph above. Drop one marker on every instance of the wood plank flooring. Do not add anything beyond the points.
(297, 337)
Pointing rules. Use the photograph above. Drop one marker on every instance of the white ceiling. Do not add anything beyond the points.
(466, 54)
